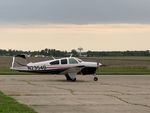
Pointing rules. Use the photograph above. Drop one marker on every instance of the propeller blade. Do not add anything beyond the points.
(98, 62)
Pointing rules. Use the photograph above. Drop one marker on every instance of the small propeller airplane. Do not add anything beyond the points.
(69, 66)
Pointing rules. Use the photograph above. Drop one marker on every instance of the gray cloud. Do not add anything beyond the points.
(74, 11)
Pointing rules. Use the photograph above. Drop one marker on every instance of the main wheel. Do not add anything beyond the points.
(95, 78)
(73, 79)
(68, 78)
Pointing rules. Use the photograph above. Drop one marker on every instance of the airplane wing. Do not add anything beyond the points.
(71, 72)
(75, 70)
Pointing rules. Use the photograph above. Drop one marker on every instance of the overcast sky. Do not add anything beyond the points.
(67, 37)
(69, 24)
(74, 11)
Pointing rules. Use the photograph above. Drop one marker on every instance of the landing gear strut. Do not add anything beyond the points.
(95, 77)
(68, 78)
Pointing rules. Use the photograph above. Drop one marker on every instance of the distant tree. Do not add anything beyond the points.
(74, 53)
(58, 53)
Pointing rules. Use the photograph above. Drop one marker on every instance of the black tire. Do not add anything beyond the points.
(95, 78)
(73, 80)
(67, 77)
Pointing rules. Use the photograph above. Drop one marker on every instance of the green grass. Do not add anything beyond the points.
(7, 71)
(123, 71)
(100, 71)
(10, 105)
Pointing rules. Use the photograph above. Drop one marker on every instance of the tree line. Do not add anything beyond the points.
(117, 53)
(74, 52)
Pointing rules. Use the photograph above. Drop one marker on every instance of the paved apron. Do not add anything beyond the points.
(52, 94)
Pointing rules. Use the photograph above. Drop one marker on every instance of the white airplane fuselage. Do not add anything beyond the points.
(69, 66)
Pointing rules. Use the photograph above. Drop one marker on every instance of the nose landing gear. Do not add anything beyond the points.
(95, 77)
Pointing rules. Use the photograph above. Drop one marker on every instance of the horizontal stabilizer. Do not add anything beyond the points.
(21, 56)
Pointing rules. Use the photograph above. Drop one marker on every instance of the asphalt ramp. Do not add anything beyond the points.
(53, 94)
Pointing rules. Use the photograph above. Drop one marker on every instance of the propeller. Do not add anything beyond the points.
(98, 63)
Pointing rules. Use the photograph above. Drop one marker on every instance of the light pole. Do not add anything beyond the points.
(80, 49)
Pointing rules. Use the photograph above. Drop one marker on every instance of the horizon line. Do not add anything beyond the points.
(73, 49)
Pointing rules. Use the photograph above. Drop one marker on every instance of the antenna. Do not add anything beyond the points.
(53, 58)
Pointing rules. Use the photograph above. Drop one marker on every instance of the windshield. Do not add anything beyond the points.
(79, 59)
(72, 61)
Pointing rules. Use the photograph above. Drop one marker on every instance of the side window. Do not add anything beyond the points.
(64, 61)
(55, 62)
(72, 61)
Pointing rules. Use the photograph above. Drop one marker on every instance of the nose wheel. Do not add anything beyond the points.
(95, 79)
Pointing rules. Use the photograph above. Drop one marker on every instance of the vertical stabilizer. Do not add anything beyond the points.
(19, 61)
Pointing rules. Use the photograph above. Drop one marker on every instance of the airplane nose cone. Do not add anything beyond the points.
(99, 64)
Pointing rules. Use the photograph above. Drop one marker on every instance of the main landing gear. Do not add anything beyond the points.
(70, 77)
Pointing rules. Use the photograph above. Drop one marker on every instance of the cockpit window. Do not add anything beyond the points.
(55, 62)
(72, 61)
(64, 61)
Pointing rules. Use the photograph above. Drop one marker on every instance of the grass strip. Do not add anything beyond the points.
(10, 105)
(100, 71)
(7, 71)
(123, 71)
